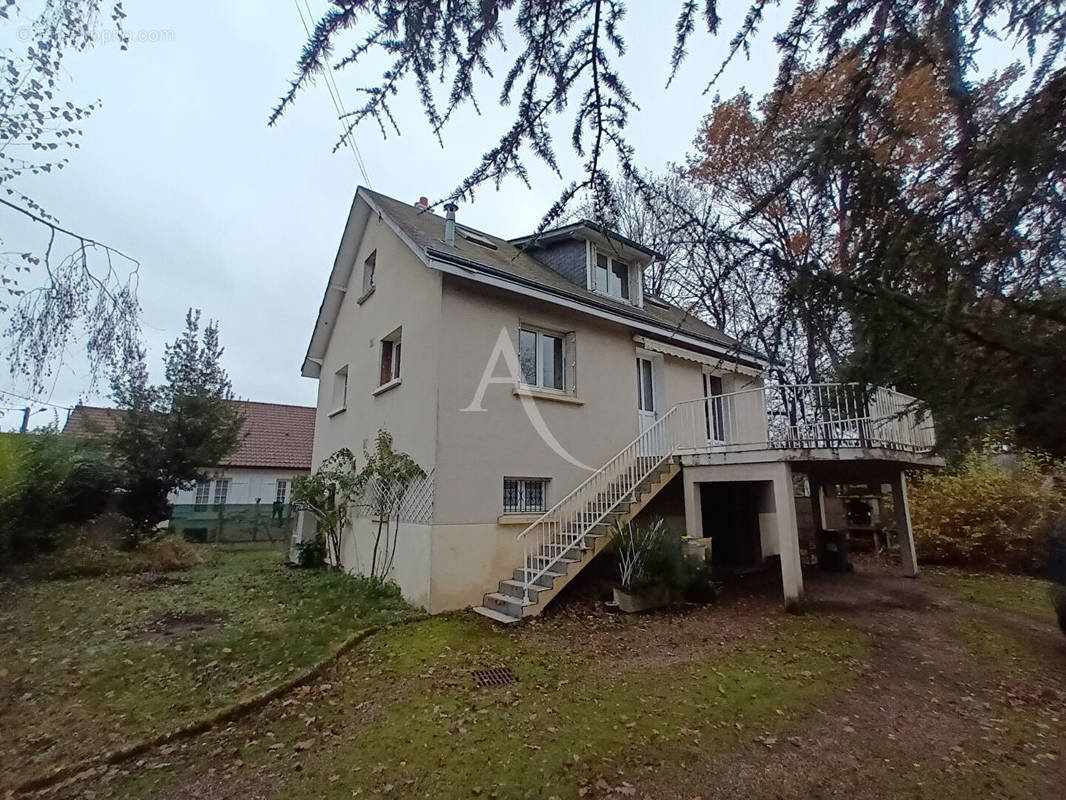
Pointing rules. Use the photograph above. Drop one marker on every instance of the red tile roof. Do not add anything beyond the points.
(275, 436)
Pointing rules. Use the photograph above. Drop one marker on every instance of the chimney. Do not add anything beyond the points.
(449, 223)
(423, 203)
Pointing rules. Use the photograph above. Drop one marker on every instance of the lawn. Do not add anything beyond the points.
(1015, 593)
(404, 717)
(94, 664)
(880, 690)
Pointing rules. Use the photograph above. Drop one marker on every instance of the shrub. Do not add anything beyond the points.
(48, 483)
(85, 559)
(650, 554)
(311, 553)
(990, 511)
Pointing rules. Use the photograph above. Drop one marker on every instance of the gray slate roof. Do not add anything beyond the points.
(426, 230)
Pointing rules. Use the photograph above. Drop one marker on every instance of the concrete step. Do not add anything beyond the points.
(547, 580)
(504, 603)
(516, 588)
(555, 563)
(496, 616)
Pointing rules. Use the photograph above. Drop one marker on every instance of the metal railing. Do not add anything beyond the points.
(806, 416)
(775, 417)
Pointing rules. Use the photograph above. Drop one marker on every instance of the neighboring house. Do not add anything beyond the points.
(548, 396)
(252, 488)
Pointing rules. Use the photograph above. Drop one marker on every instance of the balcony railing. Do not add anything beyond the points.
(805, 416)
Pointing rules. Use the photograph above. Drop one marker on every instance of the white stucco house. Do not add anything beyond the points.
(547, 396)
(251, 492)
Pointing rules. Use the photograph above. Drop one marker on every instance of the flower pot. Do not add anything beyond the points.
(633, 601)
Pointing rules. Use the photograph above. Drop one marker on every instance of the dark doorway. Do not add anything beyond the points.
(731, 518)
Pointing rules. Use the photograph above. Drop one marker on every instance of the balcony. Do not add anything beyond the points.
(805, 422)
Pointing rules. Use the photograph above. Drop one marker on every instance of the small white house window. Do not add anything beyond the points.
(203, 495)
(542, 357)
(611, 277)
(340, 389)
(368, 271)
(281, 494)
(391, 350)
(221, 491)
(524, 495)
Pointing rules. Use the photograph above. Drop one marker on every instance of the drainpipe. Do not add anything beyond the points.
(449, 223)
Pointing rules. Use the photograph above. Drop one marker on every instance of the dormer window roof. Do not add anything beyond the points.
(611, 242)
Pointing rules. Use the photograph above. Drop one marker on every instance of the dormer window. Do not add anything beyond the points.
(611, 277)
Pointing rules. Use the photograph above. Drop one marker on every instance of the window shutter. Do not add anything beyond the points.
(571, 363)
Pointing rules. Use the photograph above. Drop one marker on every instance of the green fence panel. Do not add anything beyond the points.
(252, 522)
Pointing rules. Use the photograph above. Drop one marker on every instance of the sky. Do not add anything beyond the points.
(179, 169)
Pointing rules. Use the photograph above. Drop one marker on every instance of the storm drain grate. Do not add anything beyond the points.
(497, 676)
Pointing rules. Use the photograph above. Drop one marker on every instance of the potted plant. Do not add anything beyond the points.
(644, 566)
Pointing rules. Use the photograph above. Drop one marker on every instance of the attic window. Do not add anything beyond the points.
(611, 277)
(470, 236)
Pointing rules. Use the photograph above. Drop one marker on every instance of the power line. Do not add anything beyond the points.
(32, 400)
(335, 96)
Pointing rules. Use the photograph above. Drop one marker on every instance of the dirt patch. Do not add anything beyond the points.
(158, 581)
(175, 624)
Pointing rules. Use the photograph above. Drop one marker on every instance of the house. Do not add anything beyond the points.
(548, 396)
(248, 496)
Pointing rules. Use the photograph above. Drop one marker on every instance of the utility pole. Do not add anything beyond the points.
(25, 419)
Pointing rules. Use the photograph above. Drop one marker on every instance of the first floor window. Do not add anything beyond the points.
(541, 356)
(523, 495)
(221, 490)
(390, 357)
(282, 493)
(340, 388)
(203, 495)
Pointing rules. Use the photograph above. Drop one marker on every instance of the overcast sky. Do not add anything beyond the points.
(179, 169)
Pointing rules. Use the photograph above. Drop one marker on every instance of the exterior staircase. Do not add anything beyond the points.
(783, 417)
(573, 540)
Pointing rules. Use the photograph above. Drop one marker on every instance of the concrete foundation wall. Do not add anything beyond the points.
(411, 567)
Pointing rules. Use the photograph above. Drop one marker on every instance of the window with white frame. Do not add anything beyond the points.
(221, 491)
(391, 348)
(542, 357)
(203, 495)
(368, 271)
(281, 494)
(611, 277)
(525, 495)
(340, 389)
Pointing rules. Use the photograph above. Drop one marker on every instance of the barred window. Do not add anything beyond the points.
(524, 495)
(282, 492)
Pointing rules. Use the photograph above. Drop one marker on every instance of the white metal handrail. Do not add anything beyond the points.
(780, 416)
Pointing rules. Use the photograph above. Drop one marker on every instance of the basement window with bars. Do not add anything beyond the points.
(524, 495)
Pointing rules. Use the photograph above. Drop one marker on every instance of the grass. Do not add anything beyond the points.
(92, 664)
(1022, 595)
(407, 721)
